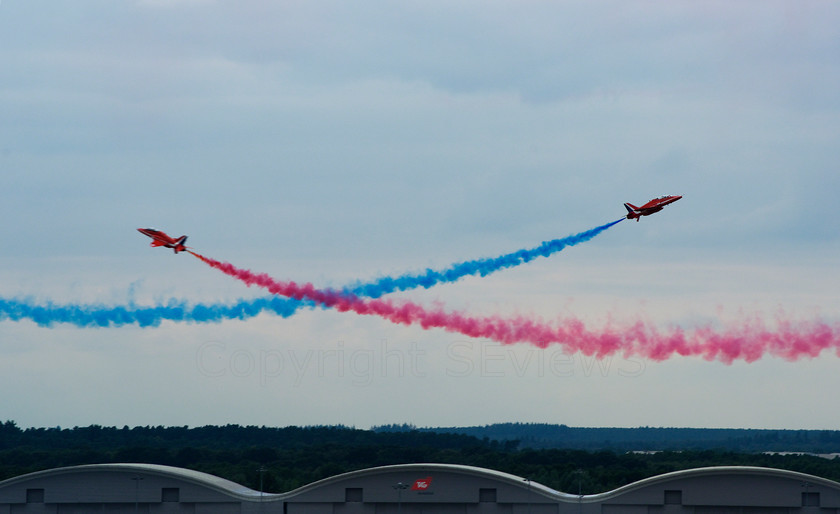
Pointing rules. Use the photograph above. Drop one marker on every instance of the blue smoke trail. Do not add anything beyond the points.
(103, 316)
(481, 267)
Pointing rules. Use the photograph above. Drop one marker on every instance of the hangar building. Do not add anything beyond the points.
(413, 489)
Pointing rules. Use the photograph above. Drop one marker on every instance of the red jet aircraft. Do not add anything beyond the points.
(161, 239)
(649, 208)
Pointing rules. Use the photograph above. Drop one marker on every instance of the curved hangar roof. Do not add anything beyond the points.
(443, 487)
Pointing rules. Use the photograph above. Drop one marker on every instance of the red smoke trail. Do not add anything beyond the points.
(749, 341)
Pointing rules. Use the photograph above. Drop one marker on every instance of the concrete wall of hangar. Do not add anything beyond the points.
(413, 489)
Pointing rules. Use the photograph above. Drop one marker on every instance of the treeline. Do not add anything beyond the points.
(540, 435)
(286, 458)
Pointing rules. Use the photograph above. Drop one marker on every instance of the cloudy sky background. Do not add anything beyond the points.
(340, 141)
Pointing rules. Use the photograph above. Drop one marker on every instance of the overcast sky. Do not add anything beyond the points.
(341, 141)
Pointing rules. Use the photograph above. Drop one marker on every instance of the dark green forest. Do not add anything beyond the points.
(290, 457)
(543, 435)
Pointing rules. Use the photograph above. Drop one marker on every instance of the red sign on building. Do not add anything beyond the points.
(422, 484)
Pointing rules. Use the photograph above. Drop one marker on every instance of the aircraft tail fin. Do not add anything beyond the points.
(632, 212)
(179, 244)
